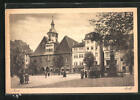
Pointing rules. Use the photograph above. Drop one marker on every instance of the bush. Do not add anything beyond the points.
(94, 74)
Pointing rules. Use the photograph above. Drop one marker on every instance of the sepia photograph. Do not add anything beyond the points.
(71, 50)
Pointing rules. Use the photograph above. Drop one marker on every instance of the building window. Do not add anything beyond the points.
(75, 63)
(107, 54)
(80, 55)
(96, 47)
(81, 63)
(66, 60)
(95, 62)
(49, 50)
(107, 48)
(96, 54)
(35, 61)
(75, 49)
(76, 56)
(81, 48)
(116, 54)
(48, 58)
(107, 62)
(115, 62)
(91, 48)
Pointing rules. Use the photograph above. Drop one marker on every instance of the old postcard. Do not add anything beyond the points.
(71, 50)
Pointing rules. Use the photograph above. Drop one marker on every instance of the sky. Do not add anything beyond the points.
(31, 28)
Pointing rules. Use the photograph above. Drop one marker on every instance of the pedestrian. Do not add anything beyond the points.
(45, 74)
(85, 74)
(48, 73)
(82, 74)
(26, 78)
(64, 74)
(21, 77)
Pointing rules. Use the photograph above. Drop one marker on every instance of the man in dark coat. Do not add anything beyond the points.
(85, 74)
(82, 74)
(26, 78)
(64, 74)
(21, 77)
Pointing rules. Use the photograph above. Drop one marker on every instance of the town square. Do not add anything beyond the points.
(56, 50)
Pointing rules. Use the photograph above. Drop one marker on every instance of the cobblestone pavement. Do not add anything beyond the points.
(73, 80)
(40, 80)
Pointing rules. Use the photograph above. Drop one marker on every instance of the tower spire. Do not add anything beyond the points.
(52, 34)
(52, 23)
(52, 26)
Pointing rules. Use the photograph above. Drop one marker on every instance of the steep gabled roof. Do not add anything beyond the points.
(66, 45)
(82, 44)
(41, 47)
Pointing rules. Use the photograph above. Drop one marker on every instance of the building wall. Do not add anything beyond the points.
(95, 49)
(49, 48)
(78, 56)
(43, 61)
(92, 46)
(118, 58)
(67, 61)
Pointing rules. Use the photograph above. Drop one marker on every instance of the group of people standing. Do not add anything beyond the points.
(24, 77)
(83, 73)
(46, 71)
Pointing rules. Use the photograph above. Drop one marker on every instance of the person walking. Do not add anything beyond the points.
(82, 74)
(21, 77)
(64, 74)
(26, 78)
(85, 74)
(48, 73)
(45, 74)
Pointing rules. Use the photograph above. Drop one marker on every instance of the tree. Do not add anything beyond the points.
(18, 49)
(114, 27)
(99, 40)
(58, 62)
(34, 67)
(89, 60)
(129, 55)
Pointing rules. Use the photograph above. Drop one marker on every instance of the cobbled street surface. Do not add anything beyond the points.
(73, 80)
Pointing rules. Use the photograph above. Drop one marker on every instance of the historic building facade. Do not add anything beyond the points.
(49, 47)
(79, 50)
(72, 52)
(78, 53)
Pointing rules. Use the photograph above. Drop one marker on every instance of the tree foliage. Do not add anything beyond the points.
(114, 27)
(34, 67)
(114, 30)
(89, 59)
(18, 49)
